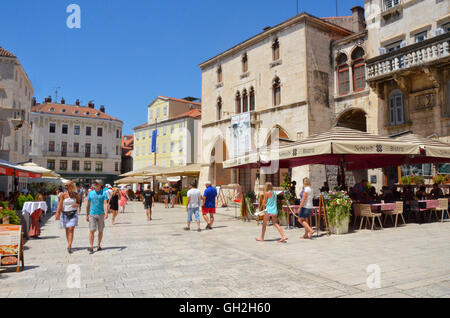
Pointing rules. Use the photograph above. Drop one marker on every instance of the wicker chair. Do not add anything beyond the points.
(443, 207)
(398, 211)
(366, 213)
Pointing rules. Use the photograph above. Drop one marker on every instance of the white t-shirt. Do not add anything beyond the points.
(309, 198)
(196, 198)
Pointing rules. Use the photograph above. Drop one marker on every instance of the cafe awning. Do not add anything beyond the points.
(9, 169)
(357, 149)
(46, 173)
(430, 147)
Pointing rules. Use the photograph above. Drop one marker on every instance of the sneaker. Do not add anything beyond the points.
(91, 250)
(187, 229)
(207, 227)
(99, 249)
(69, 250)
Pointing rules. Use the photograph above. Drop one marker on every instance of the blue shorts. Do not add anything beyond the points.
(305, 213)
(195, 212)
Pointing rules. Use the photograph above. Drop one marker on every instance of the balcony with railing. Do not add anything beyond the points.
(48, 153)
(428, 52)
(391, 4)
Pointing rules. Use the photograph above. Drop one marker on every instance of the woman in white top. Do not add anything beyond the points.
(67, 212)
(306, 207)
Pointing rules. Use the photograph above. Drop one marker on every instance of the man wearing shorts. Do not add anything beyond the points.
(194, 201)
(97, 212)
(148, 200)
(209, 205)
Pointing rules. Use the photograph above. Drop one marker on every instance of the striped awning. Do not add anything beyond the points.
(432, 148)
(359, 150)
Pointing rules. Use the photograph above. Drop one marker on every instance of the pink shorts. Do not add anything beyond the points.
(208, 210)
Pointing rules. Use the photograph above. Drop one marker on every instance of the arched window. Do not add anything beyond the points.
(219, 74)
(396, 107)
(276, 50)
(219, 108)
(252, 99)
(238, 103)
(343, 75)
(276, 92)
(244, 101)
(359, 69)
(244, 63)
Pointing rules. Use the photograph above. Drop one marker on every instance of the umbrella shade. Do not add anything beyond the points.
(144, 172)
(131, 180)
(46, 173)
(188, 170)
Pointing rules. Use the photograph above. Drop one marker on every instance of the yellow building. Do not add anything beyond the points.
(177, 122)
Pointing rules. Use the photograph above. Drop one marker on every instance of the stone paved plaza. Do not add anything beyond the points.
(159, 259)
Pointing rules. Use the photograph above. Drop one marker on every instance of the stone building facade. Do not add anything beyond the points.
(16, 92)
(283, 77)
(408, 64)
(178, 124)
(80, 143)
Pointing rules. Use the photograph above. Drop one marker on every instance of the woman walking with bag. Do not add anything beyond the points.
(271, 208)
(67, 212)
(306, 207)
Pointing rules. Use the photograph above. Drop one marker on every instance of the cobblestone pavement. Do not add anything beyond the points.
(159, 259)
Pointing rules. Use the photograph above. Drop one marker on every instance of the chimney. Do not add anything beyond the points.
(34, 103)
(63, 101)
(91, 104)
(358, 20)
(267, 28)
(102, 108)
(77, 102)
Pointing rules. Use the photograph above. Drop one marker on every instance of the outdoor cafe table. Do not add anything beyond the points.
(428, 204)
(34, 209)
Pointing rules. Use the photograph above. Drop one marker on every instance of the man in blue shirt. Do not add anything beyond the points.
(97, 212)
(209, 204)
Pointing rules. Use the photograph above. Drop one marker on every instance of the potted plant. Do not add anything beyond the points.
(339, 207)
(8, 216)
(282, 215)
(183, 194)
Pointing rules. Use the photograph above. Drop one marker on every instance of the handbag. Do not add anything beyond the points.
(70, 214)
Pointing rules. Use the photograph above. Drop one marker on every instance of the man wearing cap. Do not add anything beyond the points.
(97, 212)
(209, 204)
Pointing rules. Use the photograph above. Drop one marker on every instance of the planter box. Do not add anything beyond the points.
(282, 220)
(341, 228)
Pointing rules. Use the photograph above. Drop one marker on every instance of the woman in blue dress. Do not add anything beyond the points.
(271, 209)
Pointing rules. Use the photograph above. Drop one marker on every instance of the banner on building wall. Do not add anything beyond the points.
(154, 135)
(241, 134)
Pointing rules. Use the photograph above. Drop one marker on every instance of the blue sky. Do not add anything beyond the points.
(128, 52)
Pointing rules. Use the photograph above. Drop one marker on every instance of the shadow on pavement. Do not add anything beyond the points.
(119, 248)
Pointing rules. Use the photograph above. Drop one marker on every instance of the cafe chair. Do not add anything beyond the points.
(398, 211)
(366, 213)
(356, 213)
(443, 207)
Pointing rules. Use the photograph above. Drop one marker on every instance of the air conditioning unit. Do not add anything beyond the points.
(404, 43)
(382, 50)
(438, 31)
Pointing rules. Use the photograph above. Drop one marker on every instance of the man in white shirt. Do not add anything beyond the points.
(194, 202)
